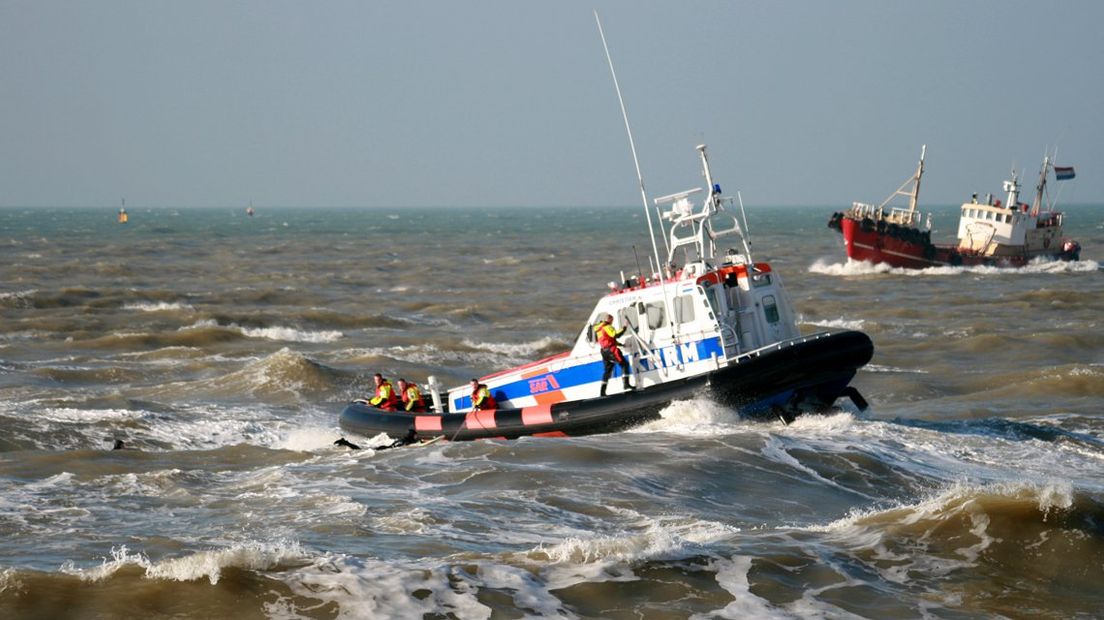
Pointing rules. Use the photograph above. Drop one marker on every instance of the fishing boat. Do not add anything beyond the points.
(707, 323)
(1008, 234)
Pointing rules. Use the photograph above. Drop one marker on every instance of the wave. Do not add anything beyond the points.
(198, 565)
(977, 532)
(284, 376)
(290, 334)
(863, 268)
(522, 351)
(849, 268)
(665, 537)
(160, 306)
(700, 416)
(1071, 381)
(208, 332)
(321, 316)
(855, 324)
(17, 299)
(1014, 430)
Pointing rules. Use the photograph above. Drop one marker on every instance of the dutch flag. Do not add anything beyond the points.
(1063, 174)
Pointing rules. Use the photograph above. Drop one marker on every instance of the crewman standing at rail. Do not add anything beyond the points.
(611, 351)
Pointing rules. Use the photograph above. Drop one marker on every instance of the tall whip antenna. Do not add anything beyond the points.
(632, 147)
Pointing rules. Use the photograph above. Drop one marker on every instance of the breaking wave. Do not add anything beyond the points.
(199, 565)
(863, 268)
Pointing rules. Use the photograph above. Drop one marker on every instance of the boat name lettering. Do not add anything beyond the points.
(671, 354)
(543, 384)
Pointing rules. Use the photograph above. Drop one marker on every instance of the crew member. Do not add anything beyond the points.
(481, 397)
(385, 397)
(611, 351)
(411, 397)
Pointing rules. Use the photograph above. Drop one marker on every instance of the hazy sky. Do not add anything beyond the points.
(437, 103)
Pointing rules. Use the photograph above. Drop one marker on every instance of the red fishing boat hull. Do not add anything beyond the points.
(909, 248)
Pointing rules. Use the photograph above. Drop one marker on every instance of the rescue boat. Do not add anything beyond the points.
(708, 321)
(1009, 234)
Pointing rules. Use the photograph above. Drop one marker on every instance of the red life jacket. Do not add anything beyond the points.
(482, 399)
(412, 398)
(385, 396)
(607, 335)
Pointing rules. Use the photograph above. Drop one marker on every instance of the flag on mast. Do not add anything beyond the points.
(1063, 174)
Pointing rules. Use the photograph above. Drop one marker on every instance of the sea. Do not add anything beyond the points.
(220, 348)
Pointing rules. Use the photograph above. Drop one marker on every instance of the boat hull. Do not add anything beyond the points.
(782, 381)
(910, 248)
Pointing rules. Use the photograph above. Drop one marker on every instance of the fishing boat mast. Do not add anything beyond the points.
(1040, 187)
(912, 194)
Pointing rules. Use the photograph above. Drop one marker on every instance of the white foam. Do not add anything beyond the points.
(848, 268)
(161, 306)
(18, 294)
(699, 416)
(837, 323)
(64, 479)
(1037, 265)
(248, 555)
(732, 575)
(503, 260)
(286, 334)
(881, 368)
(515, 350)
(290, 334)
(307, 439)
(589, 559)
(9, 581)
(369, 588)
(87, 416)
(819, 425)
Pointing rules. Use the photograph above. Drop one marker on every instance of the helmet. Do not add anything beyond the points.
(605, 316)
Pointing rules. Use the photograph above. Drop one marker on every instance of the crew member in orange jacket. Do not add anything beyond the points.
(411, 397)
(385, 397)
(481, 397)
(611, 351)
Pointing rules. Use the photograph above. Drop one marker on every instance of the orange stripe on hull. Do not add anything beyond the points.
(427, 423)
(541, 414)
(481, 419)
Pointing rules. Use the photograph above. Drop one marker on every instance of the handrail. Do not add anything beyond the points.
(778, 346)
(651, 355)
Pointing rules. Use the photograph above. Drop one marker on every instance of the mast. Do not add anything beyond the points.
(632, 144)
(913, 194)
(1013, 189)
(1040, 188)
(919, 173)
(660, 267)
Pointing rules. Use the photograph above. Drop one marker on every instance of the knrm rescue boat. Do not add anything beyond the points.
(710, 322)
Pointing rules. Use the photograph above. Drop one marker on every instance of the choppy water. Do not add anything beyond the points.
(221, 348)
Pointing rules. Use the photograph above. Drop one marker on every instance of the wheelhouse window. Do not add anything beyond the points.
(770, 309)
(711, 299)
(760, 279)
(684, 308)
(655, 315)
(629, 316)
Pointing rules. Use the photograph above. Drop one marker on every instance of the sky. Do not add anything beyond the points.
(402, 103)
